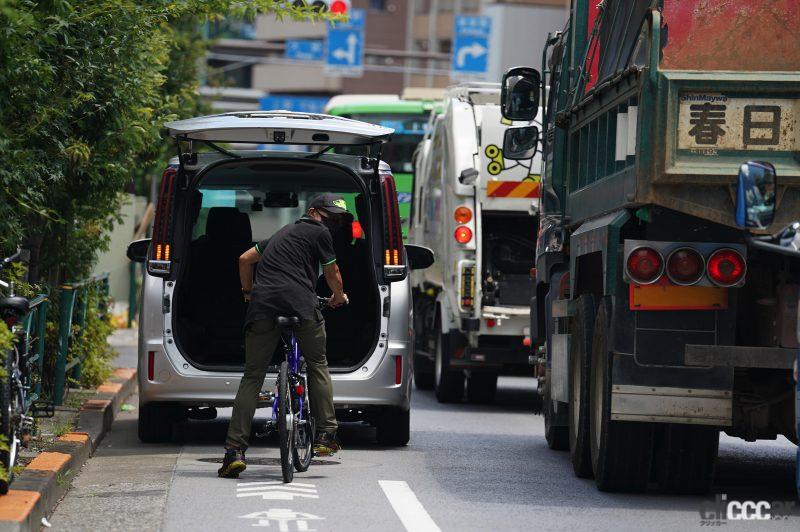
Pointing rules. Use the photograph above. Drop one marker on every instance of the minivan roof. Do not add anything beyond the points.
(279, 127)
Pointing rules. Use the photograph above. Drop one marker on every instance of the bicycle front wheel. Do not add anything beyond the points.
(285, 423)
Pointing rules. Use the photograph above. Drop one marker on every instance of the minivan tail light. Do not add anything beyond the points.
(645, 265)
(726, 267)
(160, 261)
(398, 369)
(151, 365)
(393, 261)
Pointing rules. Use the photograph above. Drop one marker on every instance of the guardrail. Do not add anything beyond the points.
(73, 301)
(32, 349)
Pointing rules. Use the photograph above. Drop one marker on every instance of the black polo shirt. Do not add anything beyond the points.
(286, 274)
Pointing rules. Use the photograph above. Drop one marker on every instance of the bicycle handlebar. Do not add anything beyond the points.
(324, 302)
(8, 260)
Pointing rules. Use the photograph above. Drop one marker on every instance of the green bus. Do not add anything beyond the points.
(408, 118)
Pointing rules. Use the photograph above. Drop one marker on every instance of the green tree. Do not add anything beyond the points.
(85, 87)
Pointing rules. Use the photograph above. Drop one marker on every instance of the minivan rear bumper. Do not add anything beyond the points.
(372, 384)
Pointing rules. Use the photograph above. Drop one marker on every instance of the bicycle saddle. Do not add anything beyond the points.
(16, 304)
(287, 321)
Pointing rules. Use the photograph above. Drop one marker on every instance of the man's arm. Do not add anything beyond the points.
(246, 261)
(334, 279)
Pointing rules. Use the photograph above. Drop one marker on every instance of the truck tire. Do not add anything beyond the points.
(449, 383)
(481, 387)
(155, 423)
(582, 331)
(685, 458)
(423, 373)
(621, 450)
(394, 427)
(557, 436)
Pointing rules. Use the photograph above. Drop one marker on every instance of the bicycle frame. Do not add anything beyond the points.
(292, 350)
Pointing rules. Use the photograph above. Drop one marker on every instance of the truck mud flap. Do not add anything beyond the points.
(671, 405)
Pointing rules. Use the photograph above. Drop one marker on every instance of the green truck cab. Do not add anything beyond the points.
(408, 118)
(657, 321)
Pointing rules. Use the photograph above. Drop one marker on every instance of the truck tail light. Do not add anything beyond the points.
(685, 266)
(463, 234)
(463, 215)
(645, 265)
(726, 267)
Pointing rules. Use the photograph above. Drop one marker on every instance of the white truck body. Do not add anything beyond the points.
(502, 197)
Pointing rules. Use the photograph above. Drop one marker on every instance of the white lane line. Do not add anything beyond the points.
(407, 506)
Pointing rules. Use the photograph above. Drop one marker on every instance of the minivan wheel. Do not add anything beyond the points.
(449, 383)
(394, 427)
(155, 423)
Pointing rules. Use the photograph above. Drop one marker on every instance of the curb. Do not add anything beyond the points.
(36, 491)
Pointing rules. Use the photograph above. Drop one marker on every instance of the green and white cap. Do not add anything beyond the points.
(329, 202)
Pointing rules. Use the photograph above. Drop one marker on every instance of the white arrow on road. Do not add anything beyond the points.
(348, 54)
(276, 491)
(475, 50)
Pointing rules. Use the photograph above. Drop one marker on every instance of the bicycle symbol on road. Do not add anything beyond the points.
(284, 518)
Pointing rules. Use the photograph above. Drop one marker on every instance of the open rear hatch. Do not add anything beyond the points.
(213, 207)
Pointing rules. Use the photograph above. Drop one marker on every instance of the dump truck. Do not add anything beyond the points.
(664, 311)
(475, 204)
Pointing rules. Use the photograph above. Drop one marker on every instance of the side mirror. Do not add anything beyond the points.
(755, 195)
(419, 257)
(520, 142)
(519, 95)
(468, 176)
(137, 250)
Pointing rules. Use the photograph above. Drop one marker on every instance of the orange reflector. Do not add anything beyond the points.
(166, 251)
(396, 257)
(158, 252)
(463, 215)
(388, 257)
(672, 297)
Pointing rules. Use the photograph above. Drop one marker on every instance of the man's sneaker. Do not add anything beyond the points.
(326, 444)
(233, 463)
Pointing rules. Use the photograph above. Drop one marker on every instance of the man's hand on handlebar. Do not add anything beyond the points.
(337, 300)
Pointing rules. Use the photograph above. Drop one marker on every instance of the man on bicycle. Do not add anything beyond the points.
(285, 276)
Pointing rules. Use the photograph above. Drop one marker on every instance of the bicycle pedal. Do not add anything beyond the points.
(42, 410)
(266, 397)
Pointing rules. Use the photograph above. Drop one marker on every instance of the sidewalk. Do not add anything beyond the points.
(59, 452)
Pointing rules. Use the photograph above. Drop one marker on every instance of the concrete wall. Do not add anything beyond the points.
(519, 34)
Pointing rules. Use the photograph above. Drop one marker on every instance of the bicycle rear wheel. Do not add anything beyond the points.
(285, 423)
(304, 440)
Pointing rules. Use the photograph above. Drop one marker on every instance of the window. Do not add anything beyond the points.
(377, 5)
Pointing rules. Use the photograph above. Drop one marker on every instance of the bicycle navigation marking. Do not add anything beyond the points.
(407, 507)
(283, 517)
(275, 490)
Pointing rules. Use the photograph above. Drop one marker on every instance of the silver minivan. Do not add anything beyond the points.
(214, 203)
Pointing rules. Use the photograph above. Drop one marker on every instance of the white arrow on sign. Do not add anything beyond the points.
(348, 54)
(475, 50)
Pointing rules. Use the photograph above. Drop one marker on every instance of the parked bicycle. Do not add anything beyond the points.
(15, 423)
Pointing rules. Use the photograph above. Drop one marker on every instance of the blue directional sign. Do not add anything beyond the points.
(304, 49)
(344, 53)
(471, 44)
(286, 102)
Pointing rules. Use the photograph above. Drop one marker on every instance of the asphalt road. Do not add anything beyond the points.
(467, 468)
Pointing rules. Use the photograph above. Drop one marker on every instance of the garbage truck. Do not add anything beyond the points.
(665, 309)
(475, 203)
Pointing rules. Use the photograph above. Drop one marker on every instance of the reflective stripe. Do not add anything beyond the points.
(259, 250)
(328, 263)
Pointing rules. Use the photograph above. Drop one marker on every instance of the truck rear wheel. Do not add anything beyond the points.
(481, 387)
(449, 383)
(581, 348)
(423, 373)
(685, 457)
(621, 450)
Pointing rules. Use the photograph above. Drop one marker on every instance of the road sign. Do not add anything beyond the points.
(344, 53)
(304, 49)
(471, 44)
(285, 102)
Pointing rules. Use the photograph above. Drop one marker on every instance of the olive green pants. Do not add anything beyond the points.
(261, 339)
